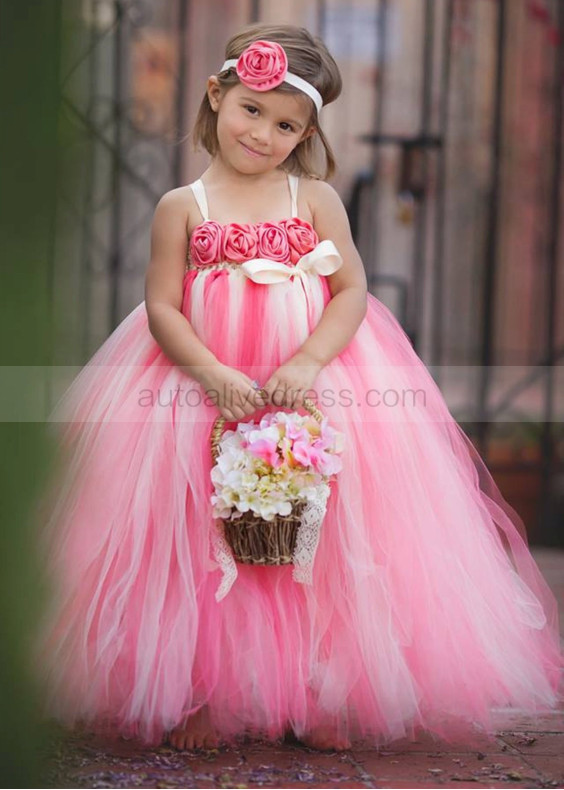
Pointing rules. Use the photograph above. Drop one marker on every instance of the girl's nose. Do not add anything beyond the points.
(261, 134)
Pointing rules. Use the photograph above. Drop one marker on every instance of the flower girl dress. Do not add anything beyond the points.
(425, 608)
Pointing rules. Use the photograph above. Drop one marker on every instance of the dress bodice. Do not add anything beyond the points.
(284, 241)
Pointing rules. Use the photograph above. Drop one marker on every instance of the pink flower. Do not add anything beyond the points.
(205, 243)
(295, 433)
(287, 454)
(267, 450)
(273, 242)
(239, 242)
(262, 66)
(305, 454)
(328, 464)
(302, 238)
(322, 462)
(329, 437)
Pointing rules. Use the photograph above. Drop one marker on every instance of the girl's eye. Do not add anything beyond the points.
(286, 127)
(251, 109)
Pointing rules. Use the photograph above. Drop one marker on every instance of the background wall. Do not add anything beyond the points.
(448, 137)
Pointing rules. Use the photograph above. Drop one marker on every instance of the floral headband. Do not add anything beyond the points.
(264, 65)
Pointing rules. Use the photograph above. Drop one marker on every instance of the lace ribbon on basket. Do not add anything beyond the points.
(307, 540)
(224, 558)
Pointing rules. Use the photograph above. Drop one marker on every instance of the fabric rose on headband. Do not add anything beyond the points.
(262, 66)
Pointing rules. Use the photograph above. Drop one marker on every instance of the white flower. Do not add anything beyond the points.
(222, 505)
(230, 439)
(267, 512)
(249, 481)
(268, 434)
(248, 501)
(233, 478)
(284, 508)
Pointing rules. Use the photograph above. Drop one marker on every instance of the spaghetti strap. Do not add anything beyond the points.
(293, 184)
(199, 191)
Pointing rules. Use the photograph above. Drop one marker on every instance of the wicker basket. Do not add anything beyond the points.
(254, 541)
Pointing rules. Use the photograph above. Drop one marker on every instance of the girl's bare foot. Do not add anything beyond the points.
(325, 738)
(195, 732)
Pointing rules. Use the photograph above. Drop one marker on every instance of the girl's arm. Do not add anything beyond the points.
(163, 289)
(294, 380)
(344, 313)
(228, 388)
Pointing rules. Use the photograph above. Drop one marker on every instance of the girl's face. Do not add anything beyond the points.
(256, 130)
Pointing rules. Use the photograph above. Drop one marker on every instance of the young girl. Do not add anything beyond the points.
(426, 609)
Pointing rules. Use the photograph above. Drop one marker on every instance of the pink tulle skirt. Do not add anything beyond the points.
(426, 610)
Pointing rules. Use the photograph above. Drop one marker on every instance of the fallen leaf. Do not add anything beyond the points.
(527, 740)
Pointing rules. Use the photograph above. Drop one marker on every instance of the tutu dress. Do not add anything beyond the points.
(425, 610)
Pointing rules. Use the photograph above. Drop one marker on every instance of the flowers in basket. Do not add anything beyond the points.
(270, 467)
(271, 485)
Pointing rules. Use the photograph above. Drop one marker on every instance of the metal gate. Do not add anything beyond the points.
(123, 83)
(466, 197)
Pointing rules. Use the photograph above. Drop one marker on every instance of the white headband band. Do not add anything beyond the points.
(264, 65)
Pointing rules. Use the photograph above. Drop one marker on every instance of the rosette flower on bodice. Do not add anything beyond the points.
(285, 241)
(265, 252)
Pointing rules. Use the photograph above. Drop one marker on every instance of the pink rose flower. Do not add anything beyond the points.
(206, 243)
(262, 66)
(273, 242)
(302, 238)
(239, 243)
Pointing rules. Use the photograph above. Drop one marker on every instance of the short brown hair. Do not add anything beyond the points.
(309, 58)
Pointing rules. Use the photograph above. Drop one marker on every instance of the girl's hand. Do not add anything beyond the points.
(231, 391)
(289, 384)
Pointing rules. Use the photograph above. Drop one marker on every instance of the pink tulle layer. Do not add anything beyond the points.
(426, 608)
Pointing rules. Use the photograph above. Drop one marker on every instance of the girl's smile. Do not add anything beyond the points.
(251, 152)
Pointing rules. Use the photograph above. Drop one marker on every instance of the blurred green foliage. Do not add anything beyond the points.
(30, 42)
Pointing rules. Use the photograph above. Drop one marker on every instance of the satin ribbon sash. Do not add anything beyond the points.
(324, 259)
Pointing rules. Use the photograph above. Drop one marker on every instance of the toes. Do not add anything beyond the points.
(325, 743)
(210, 742)
(198, 735)
(178, 740)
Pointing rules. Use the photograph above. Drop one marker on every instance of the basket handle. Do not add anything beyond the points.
(219, 423)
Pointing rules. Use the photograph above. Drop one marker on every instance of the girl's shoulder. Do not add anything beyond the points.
(316, 188)
(178, 199)
(322, 199)
(181, 202)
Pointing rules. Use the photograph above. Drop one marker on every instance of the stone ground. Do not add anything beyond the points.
(529, 754)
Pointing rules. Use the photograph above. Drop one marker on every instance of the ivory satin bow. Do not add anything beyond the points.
(323, 259)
